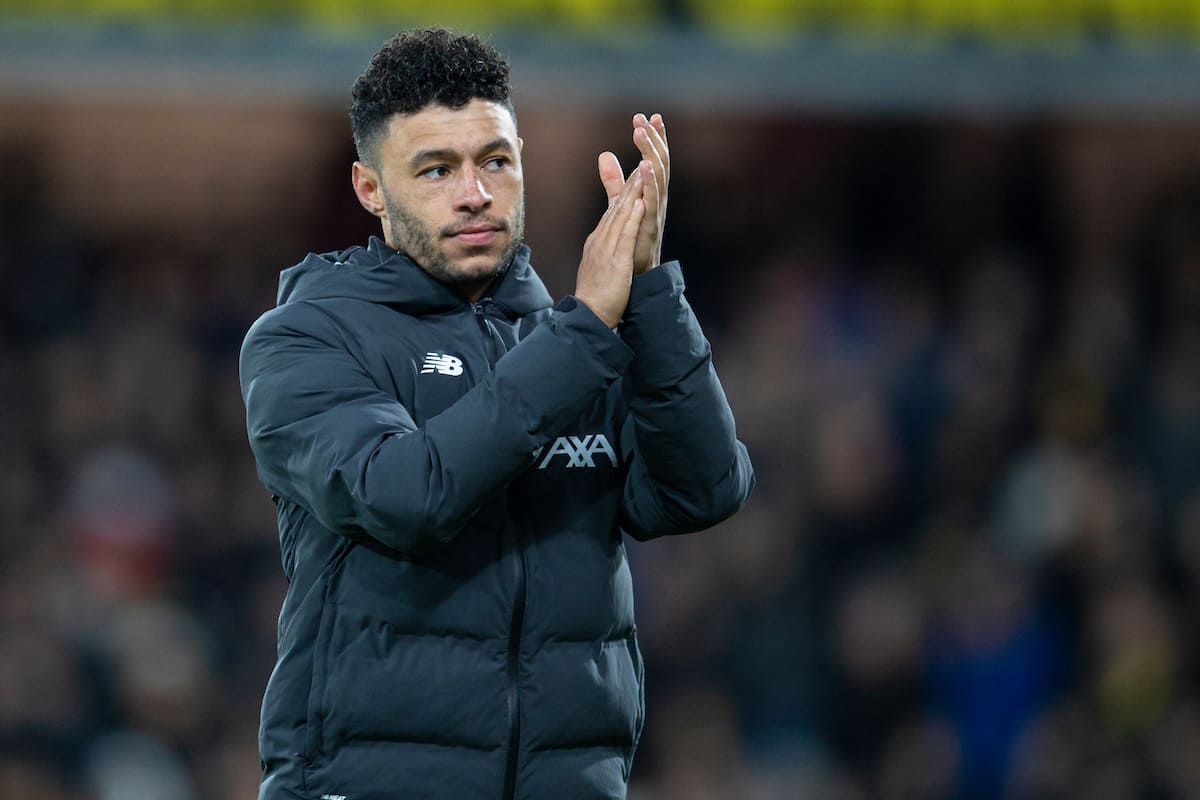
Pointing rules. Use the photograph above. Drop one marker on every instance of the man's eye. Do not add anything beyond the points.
(497, 162)
(435, 172)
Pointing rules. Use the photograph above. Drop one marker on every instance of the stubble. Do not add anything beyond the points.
(421, 244)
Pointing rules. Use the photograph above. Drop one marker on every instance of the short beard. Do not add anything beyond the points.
(418, 242)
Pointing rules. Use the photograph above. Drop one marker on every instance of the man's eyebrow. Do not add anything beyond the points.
(433, 155)
(496, 144)
(451, 155)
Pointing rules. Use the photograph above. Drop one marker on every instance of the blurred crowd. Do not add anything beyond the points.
(970, 571)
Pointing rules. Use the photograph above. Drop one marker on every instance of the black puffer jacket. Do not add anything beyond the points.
(452, 483)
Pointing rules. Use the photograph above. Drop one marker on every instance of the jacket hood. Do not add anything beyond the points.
(379, 274)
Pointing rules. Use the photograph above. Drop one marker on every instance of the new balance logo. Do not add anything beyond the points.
(580, 451)
(442, 364)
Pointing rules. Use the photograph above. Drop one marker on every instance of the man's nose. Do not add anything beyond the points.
(473, 194)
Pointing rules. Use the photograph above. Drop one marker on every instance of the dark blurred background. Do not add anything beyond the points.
(948, 255)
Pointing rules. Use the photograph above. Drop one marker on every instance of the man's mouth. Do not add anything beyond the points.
(482, 233)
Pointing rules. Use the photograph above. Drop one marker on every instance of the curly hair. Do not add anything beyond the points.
(416, 68)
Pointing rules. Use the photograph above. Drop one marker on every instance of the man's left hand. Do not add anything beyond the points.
(650, 136)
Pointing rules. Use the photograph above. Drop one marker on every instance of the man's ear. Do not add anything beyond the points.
(368, 188)
(520, 145)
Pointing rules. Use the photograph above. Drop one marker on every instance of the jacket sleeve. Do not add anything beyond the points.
(328, 438)
(687, 469)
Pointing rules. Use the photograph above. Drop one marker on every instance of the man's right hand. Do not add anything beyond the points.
(606, 269)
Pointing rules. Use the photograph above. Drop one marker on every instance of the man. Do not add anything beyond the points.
(454, 460)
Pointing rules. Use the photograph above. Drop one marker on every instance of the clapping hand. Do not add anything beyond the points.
(650, 136)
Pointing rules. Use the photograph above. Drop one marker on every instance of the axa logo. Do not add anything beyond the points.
(442, 364)
(579, 451)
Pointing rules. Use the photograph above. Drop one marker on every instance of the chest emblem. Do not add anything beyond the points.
(442, 364)
(580, 451)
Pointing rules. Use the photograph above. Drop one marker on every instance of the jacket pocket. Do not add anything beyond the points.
(639, 669)
(314, 748)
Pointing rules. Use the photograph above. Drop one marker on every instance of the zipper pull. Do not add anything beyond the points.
(477, 310)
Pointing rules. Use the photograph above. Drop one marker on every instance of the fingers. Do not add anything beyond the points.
(629, 231)
(623, 207)
(629, 189)
(618, 230)
(606, 269)
(613, 220)
(651, 194)
(650, 179)
(650, 136)
(650, 139)
(642, 138)
(659, 125)
(611, 176)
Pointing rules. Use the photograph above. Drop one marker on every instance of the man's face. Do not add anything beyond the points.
(453, 191)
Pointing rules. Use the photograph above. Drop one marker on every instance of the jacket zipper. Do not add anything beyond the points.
(514, 666)
(517, 559)
(479, 309)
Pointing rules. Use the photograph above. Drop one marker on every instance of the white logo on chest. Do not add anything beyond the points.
(580, 451)
(442, 364)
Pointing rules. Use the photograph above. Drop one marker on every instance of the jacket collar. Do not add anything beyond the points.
(379, 274)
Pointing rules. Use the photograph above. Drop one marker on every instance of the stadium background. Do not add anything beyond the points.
(948, 254)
